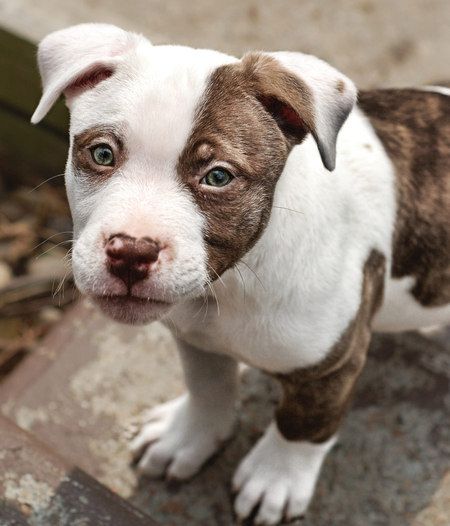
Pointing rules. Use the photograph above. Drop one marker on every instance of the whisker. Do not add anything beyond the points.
(46, 181)
(254, 273)
(290, 209)
(213, 292)
(207, 307)
(242, 279)
(53, 248)
(216, 298)
(51, 237)
(201, 307)
(173, 324)
(218, 277)
(59, 288)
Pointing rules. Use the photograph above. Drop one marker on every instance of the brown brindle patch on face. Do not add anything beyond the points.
(315, 399)
(83, 143)
(414, 127)
(236, 130)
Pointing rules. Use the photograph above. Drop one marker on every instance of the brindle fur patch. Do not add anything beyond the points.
(82, 158)
(414, 127)
(233, 128)
(315, 399)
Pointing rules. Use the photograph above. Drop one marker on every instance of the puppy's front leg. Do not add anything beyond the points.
(281, 471)
(182, 434)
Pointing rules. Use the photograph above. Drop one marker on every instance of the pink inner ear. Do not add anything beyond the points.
(88, 80)
(289, 115)
(288, 120)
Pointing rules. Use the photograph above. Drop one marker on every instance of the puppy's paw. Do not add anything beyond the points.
(279, 476)
(179, 437)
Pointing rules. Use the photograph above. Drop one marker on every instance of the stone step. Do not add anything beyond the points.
(41, 489)
(90, 379)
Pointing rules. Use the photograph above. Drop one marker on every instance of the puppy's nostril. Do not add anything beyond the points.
(147, 249)
(130, 258)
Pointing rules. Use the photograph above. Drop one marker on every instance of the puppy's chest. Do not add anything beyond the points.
(276, 336)
(247, 334)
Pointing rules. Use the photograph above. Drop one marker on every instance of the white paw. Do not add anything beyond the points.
(279, 476)
(179, 437)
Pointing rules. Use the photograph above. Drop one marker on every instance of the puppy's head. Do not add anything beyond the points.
(174, 156)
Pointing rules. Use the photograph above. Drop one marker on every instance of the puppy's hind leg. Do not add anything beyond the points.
(182, 434)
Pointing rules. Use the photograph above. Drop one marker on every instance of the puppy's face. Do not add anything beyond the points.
(174, 157)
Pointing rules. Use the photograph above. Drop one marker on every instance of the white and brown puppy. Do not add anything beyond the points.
(201, 194)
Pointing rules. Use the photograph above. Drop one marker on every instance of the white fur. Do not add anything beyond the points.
(437, 89)
(180, 437)
(67, 54)
(285, 303)
(401, 312)
(300, 294)
(185, 432)
(279, 475)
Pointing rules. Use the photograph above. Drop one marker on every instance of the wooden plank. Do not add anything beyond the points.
(27, 152)
(20, 85)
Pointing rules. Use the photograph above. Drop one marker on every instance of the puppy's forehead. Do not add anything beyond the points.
(177, 82)
(155, 94)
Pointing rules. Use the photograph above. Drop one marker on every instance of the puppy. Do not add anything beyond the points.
(202, 195)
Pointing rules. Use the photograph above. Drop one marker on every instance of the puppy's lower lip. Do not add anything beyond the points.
(132, 310)
(129, 299)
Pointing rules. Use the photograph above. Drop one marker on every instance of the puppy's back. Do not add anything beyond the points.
(414, 126)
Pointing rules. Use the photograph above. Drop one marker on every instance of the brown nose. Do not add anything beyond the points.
(129, 258)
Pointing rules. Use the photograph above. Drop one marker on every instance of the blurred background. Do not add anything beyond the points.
(61, 375)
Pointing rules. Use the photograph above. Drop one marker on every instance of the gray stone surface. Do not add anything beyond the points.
(91, 381)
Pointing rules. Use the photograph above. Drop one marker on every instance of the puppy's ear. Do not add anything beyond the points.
(303, 94)
(75, 59)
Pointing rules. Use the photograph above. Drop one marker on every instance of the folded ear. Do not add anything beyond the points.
(77, 58)
(303, 94)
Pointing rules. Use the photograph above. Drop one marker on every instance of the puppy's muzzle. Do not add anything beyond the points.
(131, 259)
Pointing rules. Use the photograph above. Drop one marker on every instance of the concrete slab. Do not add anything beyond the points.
(393, 455)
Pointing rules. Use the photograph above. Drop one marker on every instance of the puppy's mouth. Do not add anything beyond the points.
(132, 309)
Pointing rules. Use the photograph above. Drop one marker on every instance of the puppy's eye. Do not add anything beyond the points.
(103, 155)
(217, 177)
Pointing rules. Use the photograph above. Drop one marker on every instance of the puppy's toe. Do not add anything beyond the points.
(185, 464)
(148, 434)
(248, 498)
(297, 506)
(155, 460)
(272, 505)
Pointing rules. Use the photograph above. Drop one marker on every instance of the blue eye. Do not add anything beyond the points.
(103, 155)
(217, 177)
